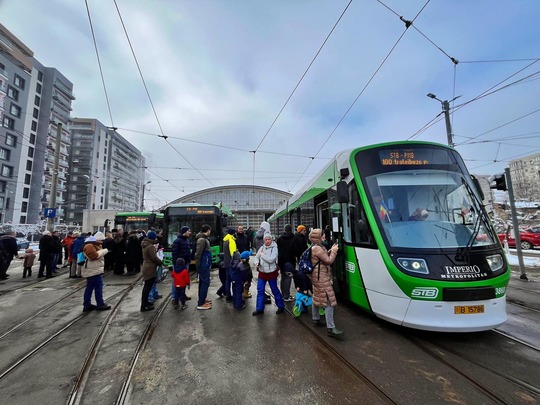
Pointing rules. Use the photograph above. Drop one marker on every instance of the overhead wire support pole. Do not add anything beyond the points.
(523, 275)
(446, 110)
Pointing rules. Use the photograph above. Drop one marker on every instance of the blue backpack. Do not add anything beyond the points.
(304, 265)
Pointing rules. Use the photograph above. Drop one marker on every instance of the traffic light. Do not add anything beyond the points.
(498, 182)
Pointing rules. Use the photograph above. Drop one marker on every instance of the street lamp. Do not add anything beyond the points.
(142, 196)
(446, 109)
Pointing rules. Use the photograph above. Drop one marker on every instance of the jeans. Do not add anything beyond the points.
(286, 284)
(93, 284)
(275, 290)
(204, 283)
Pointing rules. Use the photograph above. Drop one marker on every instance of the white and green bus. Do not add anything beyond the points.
(416, 245)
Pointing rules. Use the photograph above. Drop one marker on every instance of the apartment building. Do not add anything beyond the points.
(107, 172)
(525, 174)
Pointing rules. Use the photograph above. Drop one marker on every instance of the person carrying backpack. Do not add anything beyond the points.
(321, 278)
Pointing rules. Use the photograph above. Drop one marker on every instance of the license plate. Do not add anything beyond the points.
(469, 309)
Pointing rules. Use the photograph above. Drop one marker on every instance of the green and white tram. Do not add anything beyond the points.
(417, 247)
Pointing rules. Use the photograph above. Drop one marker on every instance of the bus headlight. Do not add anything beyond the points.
(495, 262)
(413, 265)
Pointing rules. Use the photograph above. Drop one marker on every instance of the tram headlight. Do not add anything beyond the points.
(495, 262)
(413, 265)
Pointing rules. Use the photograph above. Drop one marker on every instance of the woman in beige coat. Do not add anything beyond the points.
(323, 292)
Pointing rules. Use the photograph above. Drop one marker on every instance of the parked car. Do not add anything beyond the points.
(22, 243)
(530, 238)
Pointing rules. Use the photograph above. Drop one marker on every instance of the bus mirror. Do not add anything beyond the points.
(342, 192)
(151, 219)
(224, 222)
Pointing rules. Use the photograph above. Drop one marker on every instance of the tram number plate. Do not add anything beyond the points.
(469, 309)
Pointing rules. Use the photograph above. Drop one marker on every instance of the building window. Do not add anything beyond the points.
(29, 165)
(3, 186)
(15, 110)
(40, 76)
(13, 93)
(34, 125)
(30, 152)
(36, 113)
(4, 154)
(26, 192)
(38, 88)
(2, 203)
(37, 100)
(24, 206)
(22, 220)
(27, 179)
(18, 81)
(8, 123)
(11, 140)
(7, 171)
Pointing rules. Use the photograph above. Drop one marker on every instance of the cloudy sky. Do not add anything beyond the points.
(292, 80)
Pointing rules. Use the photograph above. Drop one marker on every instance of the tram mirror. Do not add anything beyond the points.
(224, 222)
(478, 186)
(342, 192)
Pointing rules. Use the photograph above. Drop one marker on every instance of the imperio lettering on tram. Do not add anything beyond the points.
(463, 272)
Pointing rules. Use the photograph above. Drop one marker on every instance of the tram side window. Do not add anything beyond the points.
(360, 230)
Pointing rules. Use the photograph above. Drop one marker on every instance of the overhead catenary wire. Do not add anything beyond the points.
(407, 25)
(150, 98)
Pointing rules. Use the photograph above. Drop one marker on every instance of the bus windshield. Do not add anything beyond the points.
(427, 205)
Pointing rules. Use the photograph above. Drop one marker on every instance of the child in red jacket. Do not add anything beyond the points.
(180, 276)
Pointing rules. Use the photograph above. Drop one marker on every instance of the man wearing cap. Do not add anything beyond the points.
(181, 249)
(92, 271)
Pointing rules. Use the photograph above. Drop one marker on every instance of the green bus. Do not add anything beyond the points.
(417, 247)
(146, 221)
(194, 215)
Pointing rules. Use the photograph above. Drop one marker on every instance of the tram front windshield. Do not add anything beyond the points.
(429, 205)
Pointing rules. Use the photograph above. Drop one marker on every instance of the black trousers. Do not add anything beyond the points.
(146, 291)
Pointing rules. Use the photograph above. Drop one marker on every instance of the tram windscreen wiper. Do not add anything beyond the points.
(464, 253)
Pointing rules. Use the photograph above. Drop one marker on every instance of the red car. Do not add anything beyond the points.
(530, 238)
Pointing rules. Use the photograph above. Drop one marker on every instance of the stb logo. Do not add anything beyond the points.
(349, 266)
(425, 292)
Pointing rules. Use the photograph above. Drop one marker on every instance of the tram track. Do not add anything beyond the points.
(438, 355)
(37, 348)
(44, 309)
(77, 391)
(343, 360)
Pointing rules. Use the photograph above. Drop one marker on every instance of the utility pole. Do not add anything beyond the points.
(523, 275)
(446, 110)
(52, 197)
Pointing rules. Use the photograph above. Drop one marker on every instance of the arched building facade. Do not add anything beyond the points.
(250, 204)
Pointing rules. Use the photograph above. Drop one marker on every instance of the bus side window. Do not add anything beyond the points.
(360, 230)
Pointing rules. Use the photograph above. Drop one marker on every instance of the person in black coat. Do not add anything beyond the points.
(133, 254)
(119, 252)
(242, 239)
(286, 244)
(47, 250)
(8, 249)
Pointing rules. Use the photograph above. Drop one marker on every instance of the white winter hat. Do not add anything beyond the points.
(99, 236)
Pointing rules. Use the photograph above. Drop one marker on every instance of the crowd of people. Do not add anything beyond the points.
(90, 255)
